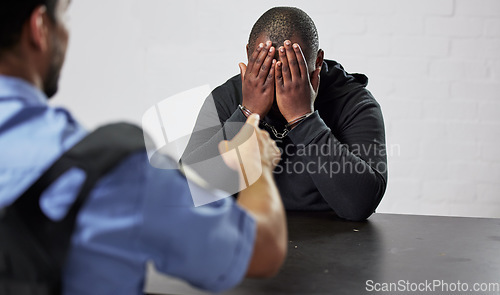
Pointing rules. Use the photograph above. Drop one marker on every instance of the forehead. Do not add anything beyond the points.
(264, 38)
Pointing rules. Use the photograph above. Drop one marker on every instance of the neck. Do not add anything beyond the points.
(18, 66)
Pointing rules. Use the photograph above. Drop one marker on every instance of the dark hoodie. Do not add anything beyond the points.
(335, 159)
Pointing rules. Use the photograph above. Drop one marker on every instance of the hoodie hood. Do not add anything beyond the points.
(336, 81)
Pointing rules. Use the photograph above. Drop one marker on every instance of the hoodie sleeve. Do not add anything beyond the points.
(353, 173)
(219, 119)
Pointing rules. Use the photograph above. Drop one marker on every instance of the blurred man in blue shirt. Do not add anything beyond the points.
(136, 213)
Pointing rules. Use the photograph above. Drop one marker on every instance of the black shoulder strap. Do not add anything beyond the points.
(96, 155)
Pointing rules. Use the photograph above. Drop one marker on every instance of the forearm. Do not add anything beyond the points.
(350, 185)
(262, 200)
(202, 154)
(351, 178)
(203, 143)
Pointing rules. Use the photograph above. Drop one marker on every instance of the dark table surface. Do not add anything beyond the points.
(330, 256)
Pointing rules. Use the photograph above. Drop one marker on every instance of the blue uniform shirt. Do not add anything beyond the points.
(135, 214)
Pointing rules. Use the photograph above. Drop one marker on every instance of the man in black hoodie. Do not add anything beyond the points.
(331, 133)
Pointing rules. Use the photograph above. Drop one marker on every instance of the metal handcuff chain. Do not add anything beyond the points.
(277, 134)
(286, 130)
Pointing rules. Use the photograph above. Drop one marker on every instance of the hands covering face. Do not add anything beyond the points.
(289, 78)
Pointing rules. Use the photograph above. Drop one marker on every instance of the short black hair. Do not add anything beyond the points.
(13, 15)
(283, 23)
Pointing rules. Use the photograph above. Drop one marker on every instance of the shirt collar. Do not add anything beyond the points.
(11, 87)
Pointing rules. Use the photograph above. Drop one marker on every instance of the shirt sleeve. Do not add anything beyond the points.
(208, 246)
(202, 153)
(355, 175)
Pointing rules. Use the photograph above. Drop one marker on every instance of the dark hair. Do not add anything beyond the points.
(13, 15)
(283, 23)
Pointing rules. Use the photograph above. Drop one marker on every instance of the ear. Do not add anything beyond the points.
(38, 28)
(315, 75)
(319, 59)
(248, 53)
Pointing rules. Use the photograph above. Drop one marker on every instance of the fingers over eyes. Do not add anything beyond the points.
(270, 78)
(267, 64)
(279, 74)
(301, 60)
(292, 60)
(285, 68)
(260, 58)
(253, 57)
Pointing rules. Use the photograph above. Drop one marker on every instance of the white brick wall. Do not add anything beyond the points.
(434, 65)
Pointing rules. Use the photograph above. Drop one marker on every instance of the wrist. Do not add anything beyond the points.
(297, 120)
(246, 112)
(267, 175)
(254, 108)
(295, 113)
